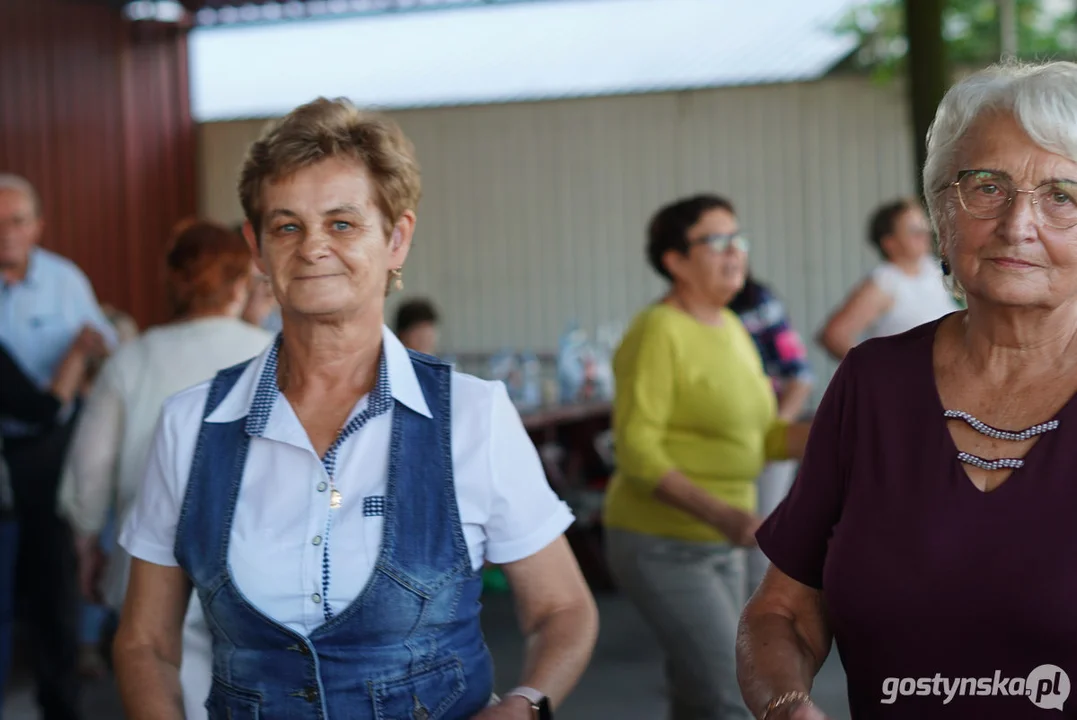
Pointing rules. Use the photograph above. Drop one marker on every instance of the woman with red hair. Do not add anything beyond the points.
(208, 280)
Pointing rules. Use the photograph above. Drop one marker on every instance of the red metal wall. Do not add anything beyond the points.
(94, 111)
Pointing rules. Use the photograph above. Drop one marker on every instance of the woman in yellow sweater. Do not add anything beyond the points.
(695, 419)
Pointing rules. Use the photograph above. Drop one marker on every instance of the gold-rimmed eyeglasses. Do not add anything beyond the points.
(987, 194)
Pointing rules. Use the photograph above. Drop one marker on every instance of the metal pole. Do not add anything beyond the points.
(1007, 16)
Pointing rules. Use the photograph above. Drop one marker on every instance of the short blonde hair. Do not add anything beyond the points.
(325, 129)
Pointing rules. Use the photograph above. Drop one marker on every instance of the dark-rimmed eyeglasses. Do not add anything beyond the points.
(988, 194)
(722, 243)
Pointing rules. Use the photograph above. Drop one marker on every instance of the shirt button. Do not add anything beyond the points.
(316, 598)
(322, 486)
(317, 540)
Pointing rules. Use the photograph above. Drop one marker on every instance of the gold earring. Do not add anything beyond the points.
(398, 278)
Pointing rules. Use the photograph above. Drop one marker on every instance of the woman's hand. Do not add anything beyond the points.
(511, 708)
(796, 439)
(92, 561)
(802, 712)
(90, 343)
(782, 642)
(738, 525)
(71, 372)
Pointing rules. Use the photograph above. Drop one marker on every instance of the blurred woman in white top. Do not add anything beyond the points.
(208, 280)
(905, 291)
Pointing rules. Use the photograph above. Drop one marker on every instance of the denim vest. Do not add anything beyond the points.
(409, 647)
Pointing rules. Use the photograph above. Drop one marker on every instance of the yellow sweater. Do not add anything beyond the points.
(693, 398)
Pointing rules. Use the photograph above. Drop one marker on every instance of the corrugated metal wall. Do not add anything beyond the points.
(533, 214)
(94, 112)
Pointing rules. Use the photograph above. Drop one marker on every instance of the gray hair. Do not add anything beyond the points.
(17, 183)
(1042, 98)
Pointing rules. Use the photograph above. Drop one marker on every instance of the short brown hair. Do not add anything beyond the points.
(669, 227)
(415, 312)
(325, 129)
(205, 261)
(885, 219)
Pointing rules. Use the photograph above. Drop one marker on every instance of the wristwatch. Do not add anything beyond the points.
(540, 704)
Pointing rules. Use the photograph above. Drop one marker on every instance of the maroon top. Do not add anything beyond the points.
(925, 577)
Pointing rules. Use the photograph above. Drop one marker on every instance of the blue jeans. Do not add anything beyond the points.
(9, 542)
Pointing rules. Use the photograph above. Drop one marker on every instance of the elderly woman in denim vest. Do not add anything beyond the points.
(332, 502)
(931, 528)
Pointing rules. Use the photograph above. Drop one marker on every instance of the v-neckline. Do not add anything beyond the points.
(388, 531)
(939, 420)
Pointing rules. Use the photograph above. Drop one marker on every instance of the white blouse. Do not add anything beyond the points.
(507, 509)
(114, 435)
(917, 299)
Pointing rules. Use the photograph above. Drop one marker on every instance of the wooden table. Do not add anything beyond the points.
(565, 437)
(573, 428)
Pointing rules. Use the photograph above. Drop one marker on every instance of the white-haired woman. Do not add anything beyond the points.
(931, 530)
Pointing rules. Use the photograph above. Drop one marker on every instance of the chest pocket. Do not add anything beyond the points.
(426, 695)
(228, 703)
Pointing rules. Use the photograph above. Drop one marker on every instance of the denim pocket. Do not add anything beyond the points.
(228, 703)
(426, 695)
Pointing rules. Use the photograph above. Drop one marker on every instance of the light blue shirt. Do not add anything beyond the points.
(42, 314)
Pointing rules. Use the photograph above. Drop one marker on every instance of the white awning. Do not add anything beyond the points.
(513, 52)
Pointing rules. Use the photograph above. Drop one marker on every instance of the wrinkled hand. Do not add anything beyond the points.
(739, 526)
(92, 562)
(806, 712)
(90, 343)
(511, 708)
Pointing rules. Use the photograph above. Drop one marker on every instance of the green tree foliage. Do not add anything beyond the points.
(1046, 29)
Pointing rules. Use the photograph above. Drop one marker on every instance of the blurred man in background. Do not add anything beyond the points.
(46, 305)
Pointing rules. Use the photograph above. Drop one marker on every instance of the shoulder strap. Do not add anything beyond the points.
(212, 486)
(435, 380)
(222, 384)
